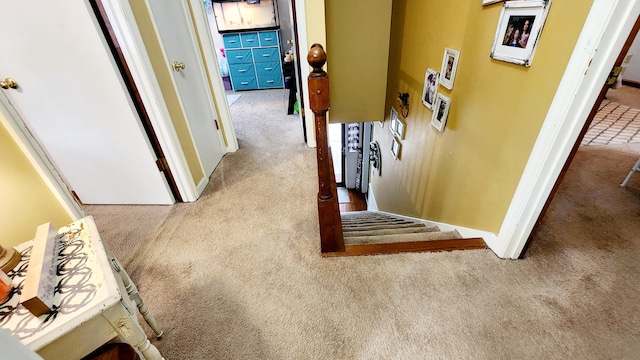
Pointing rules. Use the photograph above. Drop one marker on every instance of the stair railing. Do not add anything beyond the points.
(331, 238)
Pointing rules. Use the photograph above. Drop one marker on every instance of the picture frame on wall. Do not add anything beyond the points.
(518, 31)
(400, 128)
(449, 67)
(489, 2)
(430, 90)
(396, 147)
(441, 112)
(393, 121)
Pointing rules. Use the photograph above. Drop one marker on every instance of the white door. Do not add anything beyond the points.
(71, 96)
(174, 25)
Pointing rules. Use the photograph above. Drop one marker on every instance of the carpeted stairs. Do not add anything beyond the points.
(370, 227)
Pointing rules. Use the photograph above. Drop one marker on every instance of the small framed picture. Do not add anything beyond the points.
(396, 147)
(440, 112)
(393, 121)
(449, 67)
(400, 128)
(489, 2)
(518, 31)
(430, 88)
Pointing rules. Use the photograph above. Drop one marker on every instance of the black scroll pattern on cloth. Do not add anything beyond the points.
(73, 289)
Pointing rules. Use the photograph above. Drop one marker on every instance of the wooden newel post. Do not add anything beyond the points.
(328, 210)
(319, 103)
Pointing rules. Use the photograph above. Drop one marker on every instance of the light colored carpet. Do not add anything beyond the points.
(238, 274)
(231, 99)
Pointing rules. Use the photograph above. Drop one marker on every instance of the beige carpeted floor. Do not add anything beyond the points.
(238, 275)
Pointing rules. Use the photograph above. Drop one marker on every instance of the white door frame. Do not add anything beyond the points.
(605, 31)
(213, 69)
(126, 31)
(17, 129)
(303, 48)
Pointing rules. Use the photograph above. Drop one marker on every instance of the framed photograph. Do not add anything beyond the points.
(400, 128)
(489, 2)
(430, 88)
(518, 31)
(396, 147)
(440, 112)
(393, 121)
(449, 67)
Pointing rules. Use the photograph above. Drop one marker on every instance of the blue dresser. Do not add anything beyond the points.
(254, 59)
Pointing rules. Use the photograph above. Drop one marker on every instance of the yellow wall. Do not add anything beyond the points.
(357, 53)
(467, 174)
(169, 93)
(316, 32)
(26, 200)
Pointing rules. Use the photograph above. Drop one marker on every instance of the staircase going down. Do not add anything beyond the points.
(370, 232)
(366, 227)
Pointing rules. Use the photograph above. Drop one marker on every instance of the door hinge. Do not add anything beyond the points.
(217, 127)
(613, 75)
(162, 164)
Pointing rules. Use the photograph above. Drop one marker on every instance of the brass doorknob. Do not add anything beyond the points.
(177, 66)
(8, 83)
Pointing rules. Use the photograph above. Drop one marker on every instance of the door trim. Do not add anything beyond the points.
(123, 67)
(604, 33)
(585, 128)
(212, 68)
(303, 45)
(126, 31)
(38, 159)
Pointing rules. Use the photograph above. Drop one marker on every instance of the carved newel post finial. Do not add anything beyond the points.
(317, 58)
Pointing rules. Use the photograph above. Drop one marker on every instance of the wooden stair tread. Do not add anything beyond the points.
(408, 230)
(405, 247)
(373, 233)
(383, 226)
(397, 238)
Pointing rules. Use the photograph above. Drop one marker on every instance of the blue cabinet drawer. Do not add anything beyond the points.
(268, 38)
(239, 56)
(269, 81)
(244, 83)
(266, 54)
(241, 70)
(231, 41)
(268, 68)
(249, 40)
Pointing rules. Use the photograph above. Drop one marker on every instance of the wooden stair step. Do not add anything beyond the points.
(409, 230)
(385, 223)
(383, 227)
(397, 238)
(370, 220)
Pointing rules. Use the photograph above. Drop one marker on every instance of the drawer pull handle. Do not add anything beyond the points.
(242, 70)
(268, 39)
(244, 83)
(250, 40)
(232, 41)
(266, 55)
(239, 56)
(270, 81)
(268, 69)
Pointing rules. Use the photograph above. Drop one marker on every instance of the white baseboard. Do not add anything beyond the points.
(371, 200)
(201, 185)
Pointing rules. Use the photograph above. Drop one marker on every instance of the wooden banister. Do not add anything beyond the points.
(331, 238)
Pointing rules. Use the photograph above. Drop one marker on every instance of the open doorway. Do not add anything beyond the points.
(255, 45)
(587, 197)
